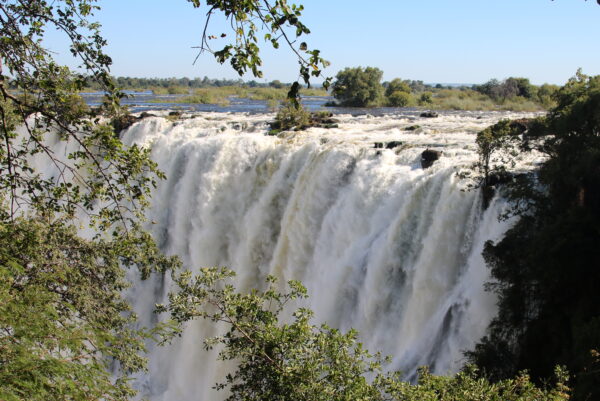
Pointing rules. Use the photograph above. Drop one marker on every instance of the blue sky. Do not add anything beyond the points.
(461, 41)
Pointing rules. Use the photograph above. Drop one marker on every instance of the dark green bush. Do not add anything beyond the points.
(399, 99)
(358, 87)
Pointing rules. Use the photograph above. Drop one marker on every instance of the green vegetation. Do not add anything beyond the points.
(545, 269)
(63, 319)
(171, 90)
(64, 322)
(399, 99)
(291, 116)
(282, 23)
(397, 93)
(468, 99)
(66, 332)
(178, 86)
(514, 94)
(300, 361)
(221, 95)
(358, 87)
(513, 88)
(62, 316)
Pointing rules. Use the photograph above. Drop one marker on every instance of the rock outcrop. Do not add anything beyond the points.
(429, 156)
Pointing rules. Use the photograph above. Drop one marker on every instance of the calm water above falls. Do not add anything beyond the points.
(383, 245)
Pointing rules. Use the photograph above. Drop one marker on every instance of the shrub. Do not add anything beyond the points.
(426, 98)
(290, 116)
(399, 99)
(358, 87)
(299, 360)
(177, 90)
(397, 85)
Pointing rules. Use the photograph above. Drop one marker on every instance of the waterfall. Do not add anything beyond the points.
(383, 245)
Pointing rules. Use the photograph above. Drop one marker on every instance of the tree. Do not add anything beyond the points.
(545, 268)
(399, 99)
(63, 320)
(496, 147)
(301, 361)
(281, 22)
(545, 95)
(358, 87)
(509, 88)
(397, 93)
(522, 87)
(396, 85)
(65, 329)
(426, 98)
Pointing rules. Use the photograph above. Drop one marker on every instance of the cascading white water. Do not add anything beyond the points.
(383, 245)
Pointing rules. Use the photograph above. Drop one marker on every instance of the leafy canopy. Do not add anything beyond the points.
(358, 87)
(545, 268)
(282, 24)
(63, 321)
(65, 330)
(297, 360)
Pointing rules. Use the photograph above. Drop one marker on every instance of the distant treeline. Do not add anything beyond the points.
(193, 83)
(362, 87)
(356, 87)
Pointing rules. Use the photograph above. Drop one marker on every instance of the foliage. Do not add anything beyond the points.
(399, 99)
(397, 85)
(99, 170)
(497, 146)
(302, 361)
(545, 268)
(289, 116)
(397, 93)
(281, 22)
(509, 88)
(277, 84)
(545, 95)
(161, 84)
(63, 319)
(353, 89)
(220, 95)
(66, 332)
(426, 98)
(358, 87)
(468, 99)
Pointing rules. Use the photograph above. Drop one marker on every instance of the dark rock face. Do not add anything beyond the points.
(323, 120)
(127, 120)
(123, 122)
(386, 145)
(429, 114)
(392, 144)
(412, 128)
(429, 156)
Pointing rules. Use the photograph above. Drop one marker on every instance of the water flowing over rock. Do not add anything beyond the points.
(383, 246)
